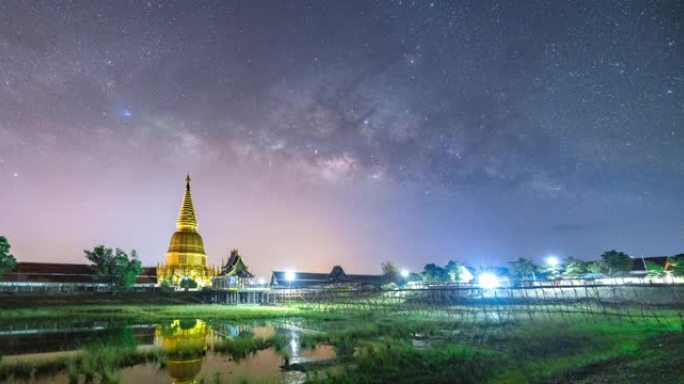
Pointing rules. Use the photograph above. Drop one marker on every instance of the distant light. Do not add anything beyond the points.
(488, 281)
(290, 275)
(552, 261)
(262, 281)
(465, 275)
(404, 273)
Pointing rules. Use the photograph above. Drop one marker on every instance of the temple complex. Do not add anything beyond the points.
(186, 258)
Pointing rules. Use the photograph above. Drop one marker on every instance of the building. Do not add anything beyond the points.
(186, 258)
(234, 274)
(65, 276)
(336, 278)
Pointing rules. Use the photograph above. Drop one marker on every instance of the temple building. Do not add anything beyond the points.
(186, 258)
(336, 278)
(234, 274)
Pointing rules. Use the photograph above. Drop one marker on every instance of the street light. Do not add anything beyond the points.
(404, 273)
(552, 261)
(290, 276)
(488, 281)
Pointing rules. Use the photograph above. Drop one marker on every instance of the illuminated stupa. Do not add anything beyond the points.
(186, 258)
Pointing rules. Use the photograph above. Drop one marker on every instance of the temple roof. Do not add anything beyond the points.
(66, 273)
(235, 266)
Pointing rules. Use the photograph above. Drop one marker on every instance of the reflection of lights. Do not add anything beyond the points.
(404, 273)
(552, 261)
(290, 275)
(488, 281)
(294, 344)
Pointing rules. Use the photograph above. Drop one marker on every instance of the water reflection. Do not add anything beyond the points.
(180, 351)
(184, 342)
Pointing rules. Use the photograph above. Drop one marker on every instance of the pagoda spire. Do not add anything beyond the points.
(186, 215)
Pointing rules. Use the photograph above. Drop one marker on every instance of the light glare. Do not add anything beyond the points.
(290, 275)
(552, 261)
(488, 281)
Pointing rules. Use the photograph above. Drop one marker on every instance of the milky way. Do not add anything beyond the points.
(323, 133)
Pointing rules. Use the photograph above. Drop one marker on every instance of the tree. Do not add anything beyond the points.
(678, 265)
(390, 273)
(453, 269)
(114, 267)
(654, 269)
(575, 267)
(595, 267)
(188, 283)
(524, 269)
(7, 260)
(616, 263)
(433, 274)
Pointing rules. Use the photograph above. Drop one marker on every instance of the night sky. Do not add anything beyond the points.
(340, 132)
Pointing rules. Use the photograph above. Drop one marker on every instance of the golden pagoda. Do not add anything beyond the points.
(186, 259)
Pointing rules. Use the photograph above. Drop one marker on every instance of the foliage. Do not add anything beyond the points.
(616, 263)
(7, 260)
(595, 267)
(415, 276)
(654, 269)
(575, 267)
(390, 273)
(524, 269)
(114, 267)
(433, 274)
(243, 346)
(188, 283)
(453, 268)
(678, 265)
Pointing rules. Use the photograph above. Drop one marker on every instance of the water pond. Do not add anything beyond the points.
(180, 351)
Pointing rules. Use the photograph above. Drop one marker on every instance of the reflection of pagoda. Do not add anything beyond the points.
(184, 342)
(186, 258)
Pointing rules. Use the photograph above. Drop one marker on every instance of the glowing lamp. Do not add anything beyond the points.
(488, 281)
(552, 261)
(290, 275)
(404, 273)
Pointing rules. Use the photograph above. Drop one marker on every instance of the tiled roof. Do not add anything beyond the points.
(66, 273)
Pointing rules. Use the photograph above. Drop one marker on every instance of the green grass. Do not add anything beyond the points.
(245, 345)
(147, 313)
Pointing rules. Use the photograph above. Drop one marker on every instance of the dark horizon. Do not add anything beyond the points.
(344, 133)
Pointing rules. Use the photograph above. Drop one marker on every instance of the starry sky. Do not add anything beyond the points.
(344, 132)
